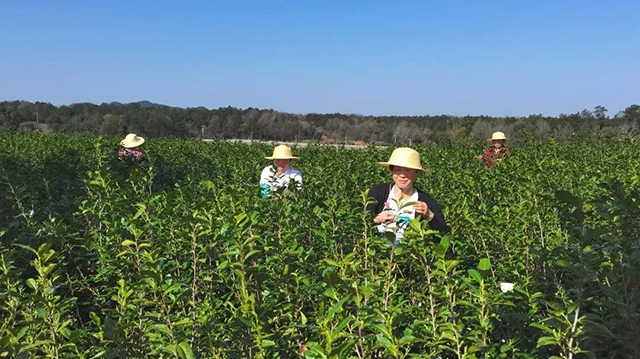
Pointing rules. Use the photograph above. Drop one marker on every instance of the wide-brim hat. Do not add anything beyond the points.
(131, 141)
(282, 152)
(405, 157)
(497, 136)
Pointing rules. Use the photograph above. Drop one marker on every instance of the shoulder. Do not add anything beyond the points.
(379, 189)
(266, 170)
(295, 172)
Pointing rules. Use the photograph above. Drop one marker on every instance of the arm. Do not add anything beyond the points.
(265, 176)
(298, 178)
(378, 193)
(438, 222)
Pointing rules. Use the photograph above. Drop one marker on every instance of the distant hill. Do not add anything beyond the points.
(146, 103)
(143, 103)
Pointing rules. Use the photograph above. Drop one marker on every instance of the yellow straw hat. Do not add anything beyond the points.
(132, 141)
(497, 136)
(282, 152)
(405, 157)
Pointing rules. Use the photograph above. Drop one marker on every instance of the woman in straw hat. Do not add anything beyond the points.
(497, 151)
(130, 152)
(399, 202)
(280, 174)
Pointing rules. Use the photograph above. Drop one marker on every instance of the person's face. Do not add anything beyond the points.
(282, 165)
(498, 143)
(404, 177)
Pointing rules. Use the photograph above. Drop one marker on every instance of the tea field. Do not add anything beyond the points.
(180, 257)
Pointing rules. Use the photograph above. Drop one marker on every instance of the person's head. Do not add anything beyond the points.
(281, 164)
(497, 139)
(132, 141)
(404, 164)
(497, 143)
(282, 157)
(403, 177)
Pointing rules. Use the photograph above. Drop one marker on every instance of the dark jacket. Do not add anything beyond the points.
(380, 193)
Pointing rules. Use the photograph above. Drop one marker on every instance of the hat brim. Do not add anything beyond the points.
(387, 164)
(131, 144)
(282, 158)
(489, 140)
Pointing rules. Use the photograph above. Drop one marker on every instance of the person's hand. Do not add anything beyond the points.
(384, 217)
(479, 157)
(423, 210)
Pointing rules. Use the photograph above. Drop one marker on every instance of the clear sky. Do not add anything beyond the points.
(366, 57)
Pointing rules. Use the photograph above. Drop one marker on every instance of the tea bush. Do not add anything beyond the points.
(180, 257)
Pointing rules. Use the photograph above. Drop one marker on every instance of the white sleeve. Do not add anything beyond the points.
(266, 176)
(298, 178)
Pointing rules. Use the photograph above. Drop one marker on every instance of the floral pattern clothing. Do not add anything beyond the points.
(130, 155)
(494, 154)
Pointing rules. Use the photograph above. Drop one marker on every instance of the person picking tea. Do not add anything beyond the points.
(130, 152)
(398, 202)
(281, 173)
(497, 151)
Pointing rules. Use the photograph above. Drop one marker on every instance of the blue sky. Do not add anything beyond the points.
(366, 57)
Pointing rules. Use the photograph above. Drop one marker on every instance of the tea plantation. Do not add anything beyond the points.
(180, 257)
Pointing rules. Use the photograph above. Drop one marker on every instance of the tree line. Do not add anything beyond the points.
(152, 120)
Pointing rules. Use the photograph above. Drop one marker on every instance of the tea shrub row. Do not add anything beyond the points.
(180, 257)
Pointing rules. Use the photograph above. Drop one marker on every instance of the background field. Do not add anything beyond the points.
(179, 257)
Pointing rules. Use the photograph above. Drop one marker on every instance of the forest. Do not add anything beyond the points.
(152, 120)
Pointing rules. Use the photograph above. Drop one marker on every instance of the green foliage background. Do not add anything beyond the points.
(153, 120)
(180, 257)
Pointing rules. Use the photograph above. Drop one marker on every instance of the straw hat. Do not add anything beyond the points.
(497, 136)
(405, 157)
(282, 152)
(131, 141)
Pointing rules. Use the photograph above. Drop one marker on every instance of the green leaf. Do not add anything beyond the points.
(485, 264)
(251, 253)
(182, 322)
(331, 262)
(382, 328)
(386, 343)
(450, 264)
(96, 320)
(475, 275)
(315, 351)
(184, 351)
(127, 243)
(42, 312)
(546, 341)
(163, 328)
(407, 339)
(543, 327)
(31, 283)
(140, 210)
(99, 355)
(447, 334)
(268, 343)
(336, 331)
